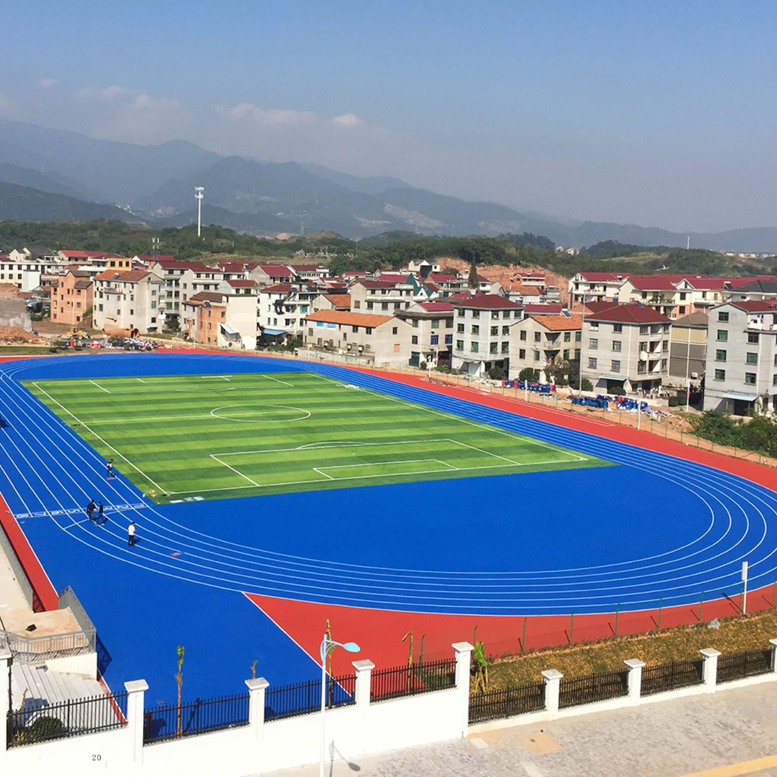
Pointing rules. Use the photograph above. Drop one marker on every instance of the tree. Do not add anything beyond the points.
(473, 281)
(530, 374)
(557, 371)
(480, 666)
(179, 681)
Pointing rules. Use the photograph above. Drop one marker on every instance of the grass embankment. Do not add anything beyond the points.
(751, 632)
(24, 350)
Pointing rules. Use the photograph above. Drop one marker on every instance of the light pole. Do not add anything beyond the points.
(327, 646)
(688, 372)
(198, 194)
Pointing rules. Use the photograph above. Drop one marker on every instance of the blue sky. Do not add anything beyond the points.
(654, 113)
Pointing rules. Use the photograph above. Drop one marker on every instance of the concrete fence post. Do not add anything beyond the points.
(5, 694)
(773, 643)
(634, 678)
(710, 668)
(136, 694)
(552, 688)
(256, 690)
(363, 686)
(463, 651)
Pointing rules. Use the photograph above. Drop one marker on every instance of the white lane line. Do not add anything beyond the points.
(277, 380)
(95, 384)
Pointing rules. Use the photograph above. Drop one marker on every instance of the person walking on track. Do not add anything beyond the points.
(90, 508)
(101, 519)
(131, 539)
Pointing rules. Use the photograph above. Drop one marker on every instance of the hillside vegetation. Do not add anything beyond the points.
(390, 250)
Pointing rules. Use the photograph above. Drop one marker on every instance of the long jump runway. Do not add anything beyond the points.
(256, 578)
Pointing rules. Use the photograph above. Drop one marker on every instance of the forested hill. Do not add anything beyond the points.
(390, 250)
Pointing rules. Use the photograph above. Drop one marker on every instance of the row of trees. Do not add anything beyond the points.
(755, 434)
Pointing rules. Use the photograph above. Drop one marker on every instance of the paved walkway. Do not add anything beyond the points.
(728, 733)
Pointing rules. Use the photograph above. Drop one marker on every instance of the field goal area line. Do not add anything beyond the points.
(324, 477)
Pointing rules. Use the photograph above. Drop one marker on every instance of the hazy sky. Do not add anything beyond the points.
(657, 113)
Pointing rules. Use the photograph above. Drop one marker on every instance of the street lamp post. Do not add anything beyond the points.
(327, 646)
(198, 194)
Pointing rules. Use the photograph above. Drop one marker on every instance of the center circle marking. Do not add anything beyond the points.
(249, 413)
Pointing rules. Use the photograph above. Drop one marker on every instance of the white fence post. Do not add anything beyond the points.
(363, 685)
(136, 690)
(773, 643)
(552, 688)
(256, 689)
(5, 693)
(710, 668)
(463, 651)
(634, 678)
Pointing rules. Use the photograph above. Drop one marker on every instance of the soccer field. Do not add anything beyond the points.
(192, 437)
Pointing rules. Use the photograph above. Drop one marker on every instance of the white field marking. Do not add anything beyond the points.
(446, 467)
(99, 387)
(216, 377)
(460, 419)
(237, 472)
(140, 380)
(118, 453)
(261, 420)
(488, 453)
(277, 380)
(323, 445)
(323, 474)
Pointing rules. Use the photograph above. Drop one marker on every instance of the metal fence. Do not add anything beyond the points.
(27, 649)
(287, 701)
(39, 721)
(506, 702)
(739, 665)
(169, 721)
(410, 680)
(595, 687)
(667, 677)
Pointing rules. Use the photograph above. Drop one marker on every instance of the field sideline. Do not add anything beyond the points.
(184, 438)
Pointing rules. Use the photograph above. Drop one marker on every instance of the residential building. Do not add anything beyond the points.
(282, 307)
(760, 288)
(595, 287)
(432, 337)
(382, 340)
(625, 347)
(128, 302)
(380, 297)
(688, 348)
(331, 302)
(538, 341)
(482, 336)
(221, 320)
(741, 370)
(182, 280)
(72, 299)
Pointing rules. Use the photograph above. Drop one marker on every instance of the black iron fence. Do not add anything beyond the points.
(595, 687)
(410, 680)
(287, 701)
(506, 702)
(38, 721)
(739, 665)
(667, 677)
(171, 721)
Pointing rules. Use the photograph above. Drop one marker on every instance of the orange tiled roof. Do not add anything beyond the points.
(345, 317)
(559, 323)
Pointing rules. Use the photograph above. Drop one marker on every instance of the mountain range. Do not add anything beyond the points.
(57, 175)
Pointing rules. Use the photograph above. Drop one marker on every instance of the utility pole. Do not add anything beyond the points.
(198, 194)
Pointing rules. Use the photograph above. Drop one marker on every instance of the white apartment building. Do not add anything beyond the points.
(595, 287)
(282, 307)
(537, 341)
(741, 372)
(128, 301)
(482, 336)
(432, 337)
(380, 297)
(625, 347)
(382, 340)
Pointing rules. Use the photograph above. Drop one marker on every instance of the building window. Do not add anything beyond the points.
(774, 380)
(615, 365)
(370, 305)
(448, 339)
(495, 314)
(522, 353)
(722, 335)
(578, 337)
(750, 378)
(643, 330)
(591, 364)
(460, 345)
(394, 330)
(752, 338)
(505, 347)
(435, 339)
(752, 358)
(617, 327)
(722, 316)
(720, 355)
(537, 337)
(616, 345)
(475, 314)
(567, 337)
(414, 340)
(435, 323)
(460, 328)
(523, 334)
(475, 329)
(494, 331)
(593, 343)
(474, 347)
(594, 326)
(493, 347)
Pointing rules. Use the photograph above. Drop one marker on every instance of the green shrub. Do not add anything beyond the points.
(530, 374)
(496, 373)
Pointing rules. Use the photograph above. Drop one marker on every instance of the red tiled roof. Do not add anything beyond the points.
(128, 276)
(345, 317)
(205, 296)
(756, 306)
(434, 307)
(559, 323)
(599, 277)
(278, 288)
(339, 300)
(630, 313)
(242, 283)
(487, 301)
(277, 270)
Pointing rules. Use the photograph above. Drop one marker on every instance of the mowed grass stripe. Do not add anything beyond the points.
(175, 439)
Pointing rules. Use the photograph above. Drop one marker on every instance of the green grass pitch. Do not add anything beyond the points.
(218, 436)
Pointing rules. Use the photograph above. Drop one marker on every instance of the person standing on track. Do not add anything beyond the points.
(90, 508)
(131, 535)
(101, 519)
(110, 473)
